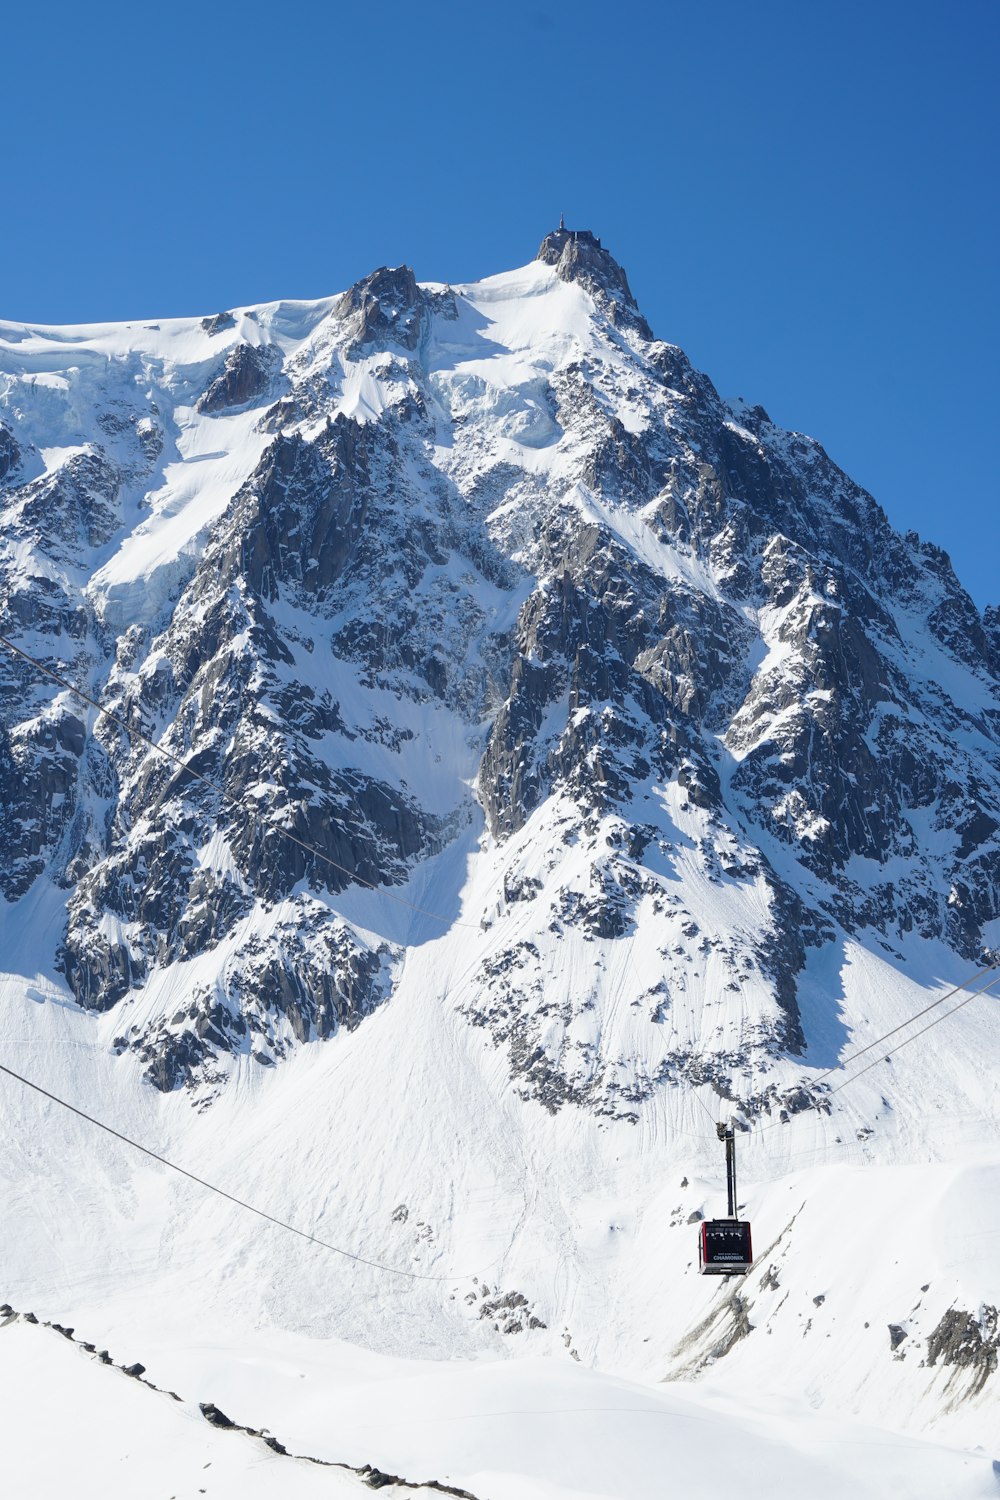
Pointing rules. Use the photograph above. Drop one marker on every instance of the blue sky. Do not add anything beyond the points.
(804, 196)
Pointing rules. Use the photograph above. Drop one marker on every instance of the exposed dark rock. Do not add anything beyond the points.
(10, 453)
(212, 1414)
(377, 1479)
(246, 374)
(218, 322)
(969, 1342)
(991, 629)
(70, 511)
(578, 255)
(304, 981)
(509, 1312)
(384, 308)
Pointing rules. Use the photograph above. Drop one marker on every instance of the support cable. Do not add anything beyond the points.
(990, 968)
(907, 1040)
(231, 1197)
(987, 969)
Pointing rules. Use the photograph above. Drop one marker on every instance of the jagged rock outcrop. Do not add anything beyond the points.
(306, 978)
(383, 308)
(577, 255)
(10, 453)
(968, 1344)
(218, 322)
(246, 374)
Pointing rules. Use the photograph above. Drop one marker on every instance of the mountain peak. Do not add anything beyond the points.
(578, 255)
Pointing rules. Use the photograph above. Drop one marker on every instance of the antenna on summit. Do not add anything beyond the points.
(562, 223)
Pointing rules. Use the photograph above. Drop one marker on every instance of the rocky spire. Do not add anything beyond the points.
(578, 255)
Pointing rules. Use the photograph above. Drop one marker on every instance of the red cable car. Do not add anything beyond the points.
(724, 1247)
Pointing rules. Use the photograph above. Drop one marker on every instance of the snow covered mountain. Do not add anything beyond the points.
(638, 772)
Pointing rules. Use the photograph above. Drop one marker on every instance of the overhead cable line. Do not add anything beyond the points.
(823, 1149)
(907, 1040)
(986, 969)
(704, 1106)
(989, 968)
(227, 797)
(231, 1197)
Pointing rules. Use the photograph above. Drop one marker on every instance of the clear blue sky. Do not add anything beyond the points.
(804, 195)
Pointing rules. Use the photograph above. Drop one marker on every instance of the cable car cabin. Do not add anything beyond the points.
(724, 1247)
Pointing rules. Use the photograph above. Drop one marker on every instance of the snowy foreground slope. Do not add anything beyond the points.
(521, 1429)
(641, 773)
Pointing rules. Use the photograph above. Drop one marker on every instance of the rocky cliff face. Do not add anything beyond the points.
(417, 560)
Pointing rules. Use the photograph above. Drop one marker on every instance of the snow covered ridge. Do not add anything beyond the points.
(638, 773)
(97, 1420)
(119, 1437)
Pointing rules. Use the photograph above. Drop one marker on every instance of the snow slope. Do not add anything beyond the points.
(523, 1431)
